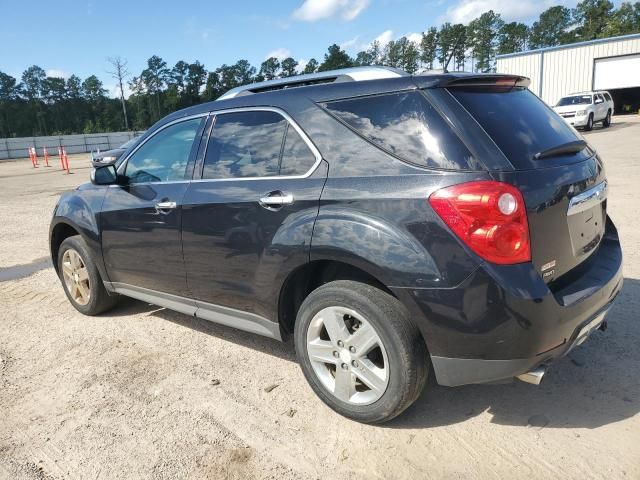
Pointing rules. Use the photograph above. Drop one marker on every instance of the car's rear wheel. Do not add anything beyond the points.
(607, 120)
(589, 126)
(80, 278)
(359, 351)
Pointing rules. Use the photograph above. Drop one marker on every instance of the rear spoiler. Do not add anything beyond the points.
(500, 81)
(471, 80)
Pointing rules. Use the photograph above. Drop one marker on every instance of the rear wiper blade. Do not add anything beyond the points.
(564, 149)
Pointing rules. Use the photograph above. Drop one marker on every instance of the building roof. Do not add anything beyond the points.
(571, 45)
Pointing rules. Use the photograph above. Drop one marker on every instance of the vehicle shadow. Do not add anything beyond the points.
(130, 306)
(596, 384)
(17, 272)
(616, 124)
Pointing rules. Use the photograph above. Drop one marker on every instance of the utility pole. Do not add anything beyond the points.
(120, 73)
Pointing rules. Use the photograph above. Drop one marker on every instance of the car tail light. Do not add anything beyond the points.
(489, 217)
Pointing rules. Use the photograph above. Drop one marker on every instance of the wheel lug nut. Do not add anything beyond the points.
(352, 349)
(336, 354)
(345, 366)
(354, 363)
(340, 343)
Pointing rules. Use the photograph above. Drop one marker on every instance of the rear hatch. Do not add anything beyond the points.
(561, 178)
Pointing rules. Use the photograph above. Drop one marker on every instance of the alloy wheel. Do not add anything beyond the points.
(347, 355)
(76, 277)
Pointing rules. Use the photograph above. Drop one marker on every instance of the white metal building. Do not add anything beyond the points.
(611, 64)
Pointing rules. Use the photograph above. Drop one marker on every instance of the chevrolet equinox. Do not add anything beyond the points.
(393, 225)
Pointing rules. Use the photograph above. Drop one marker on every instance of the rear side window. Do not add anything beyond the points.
(245, 144)
(297, 158)
(407, 126)
(518, 122)
(607, 96)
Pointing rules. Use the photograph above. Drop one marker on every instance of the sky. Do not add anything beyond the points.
(75, 37)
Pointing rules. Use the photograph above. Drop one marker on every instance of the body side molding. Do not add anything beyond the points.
(248, 322)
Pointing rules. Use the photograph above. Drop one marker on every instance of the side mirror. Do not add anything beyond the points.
(104, 175)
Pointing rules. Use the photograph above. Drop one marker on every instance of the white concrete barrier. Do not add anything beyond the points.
(83, 143)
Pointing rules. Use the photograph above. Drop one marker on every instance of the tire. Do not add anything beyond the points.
(589, 126)
(606, 123)
(400, 358)
(81, 280)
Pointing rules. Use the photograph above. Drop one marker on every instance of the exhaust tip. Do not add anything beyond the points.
(534, 376)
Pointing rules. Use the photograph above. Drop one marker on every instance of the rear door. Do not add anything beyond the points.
(248, 219)
(141, 220)
(565, 229)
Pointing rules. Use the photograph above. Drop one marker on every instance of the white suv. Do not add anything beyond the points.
(586, 108)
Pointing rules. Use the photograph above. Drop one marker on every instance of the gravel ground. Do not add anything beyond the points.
(143, 392)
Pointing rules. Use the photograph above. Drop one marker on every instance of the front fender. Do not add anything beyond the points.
(79, 209)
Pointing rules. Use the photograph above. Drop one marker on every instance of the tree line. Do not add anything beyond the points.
(42, 105)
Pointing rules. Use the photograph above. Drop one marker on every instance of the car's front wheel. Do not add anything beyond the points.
(589, 126)
(359, 351)
(80, 278)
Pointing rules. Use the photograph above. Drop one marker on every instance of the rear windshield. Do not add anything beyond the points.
(575, 100)
(519, 123)
(407, 126)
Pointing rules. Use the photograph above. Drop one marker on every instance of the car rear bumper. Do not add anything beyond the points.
(452, 372)
(504, 321)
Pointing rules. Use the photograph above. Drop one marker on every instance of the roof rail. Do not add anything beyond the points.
(354, 74)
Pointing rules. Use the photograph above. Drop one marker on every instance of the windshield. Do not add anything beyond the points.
(575, 100)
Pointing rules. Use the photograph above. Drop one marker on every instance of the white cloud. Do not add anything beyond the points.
(302, 63)
(415, 37)
(384, 38)
(314, 10)
(114, 90)
(350, 43)
(354, 8)
(279, 53)
(511, 10)
(54, 72)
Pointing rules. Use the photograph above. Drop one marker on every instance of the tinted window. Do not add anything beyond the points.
(406, 125)
(164, 157)
(607, 96)
(575, 100)
(518, 122)
(297, 157)
(245, 144)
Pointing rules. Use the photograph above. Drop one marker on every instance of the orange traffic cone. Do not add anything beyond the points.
(66, 160)
(46, 156)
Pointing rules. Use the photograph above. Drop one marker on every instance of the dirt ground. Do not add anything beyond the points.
(143, 392)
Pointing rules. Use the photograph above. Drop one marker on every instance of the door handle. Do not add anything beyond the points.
(276, 199)
(161, 206)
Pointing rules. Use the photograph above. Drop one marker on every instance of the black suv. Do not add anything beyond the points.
(392, 224)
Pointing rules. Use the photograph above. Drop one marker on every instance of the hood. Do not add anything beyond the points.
(571, 108)
(116, 153)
